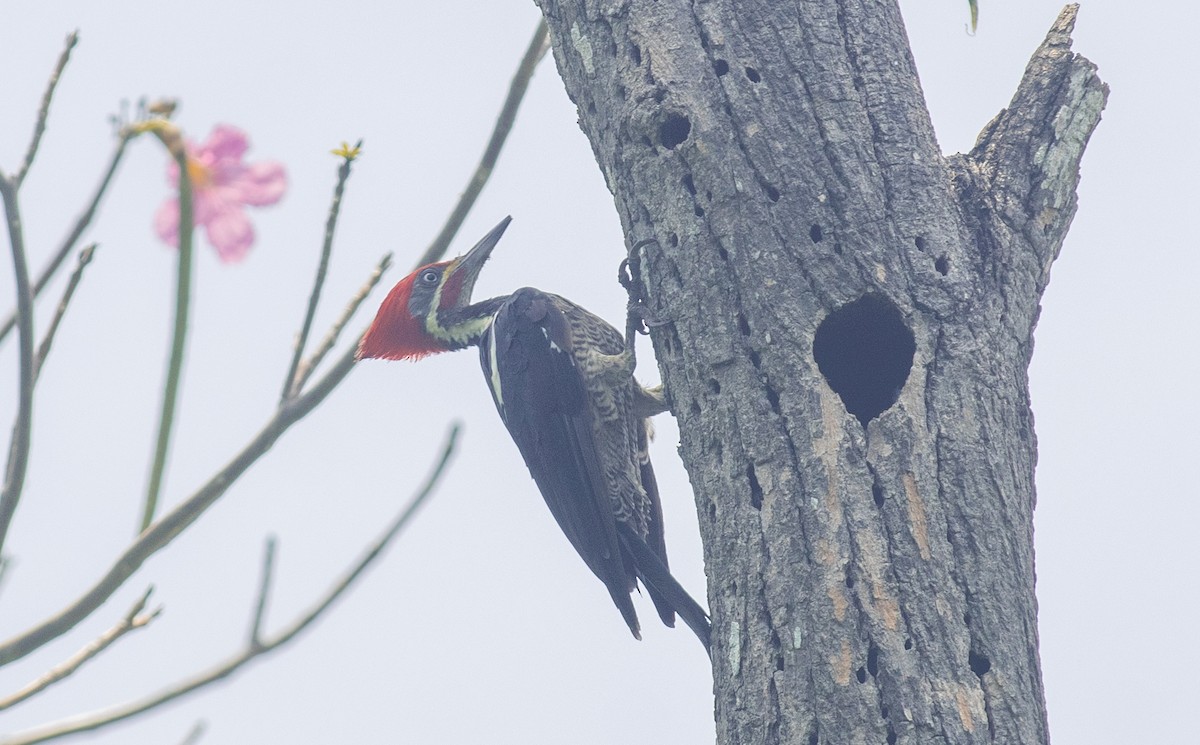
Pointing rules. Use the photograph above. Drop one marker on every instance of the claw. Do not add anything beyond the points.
(625, 275)
(646, 317)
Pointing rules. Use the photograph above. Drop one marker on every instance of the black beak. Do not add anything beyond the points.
(472, 261)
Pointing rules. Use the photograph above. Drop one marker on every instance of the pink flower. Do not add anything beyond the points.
(222, 185)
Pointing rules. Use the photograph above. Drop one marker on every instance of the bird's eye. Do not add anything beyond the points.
(429, 276)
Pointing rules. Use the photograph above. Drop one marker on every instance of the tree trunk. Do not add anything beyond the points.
(850, 325)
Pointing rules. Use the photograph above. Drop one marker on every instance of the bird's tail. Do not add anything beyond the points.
(664, 588)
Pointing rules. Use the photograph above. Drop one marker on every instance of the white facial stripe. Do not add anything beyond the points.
(461, 334)
(432, 324)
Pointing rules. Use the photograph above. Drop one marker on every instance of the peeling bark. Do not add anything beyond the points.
(866, 500)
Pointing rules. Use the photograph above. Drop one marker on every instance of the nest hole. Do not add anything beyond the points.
(865, 351)
(674, 131)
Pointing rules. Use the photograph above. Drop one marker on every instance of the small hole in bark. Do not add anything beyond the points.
(689, 184)
(591, 108)
(695, 408)
(755, 359)
(861, 674)
(674, 130)
(772, 193)
(837, 249)
(942, 265)
(815, 233)
(673, 240)
(636, 53)
(743, 325)
(908, 643)
(721, 67)
(713, 386)
(753, 75)
(773, 399)
(814, 738)
(621, 92)
(779, 662)
(873, 660)
(877, 494)
(755, 487)
(919, 242)
(865, 352)
(723, 254)
(712, 510)
(670, 340)
(967, 619)
(891, 736)
(849, 579)
(883, 712)
(708, 195)
(980, 664)
(699, 211)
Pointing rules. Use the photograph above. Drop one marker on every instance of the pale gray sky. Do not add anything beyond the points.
(482, 625)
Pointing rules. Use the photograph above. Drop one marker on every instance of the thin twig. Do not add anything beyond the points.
(44, 110)
(85, 258)
(264, 592)
(183, 289)
(175, 522)
(6, 563)
(171, 524)
(18, 451)
(223, 670)
(508, 114)
(197, 731)
(291, 386)
(68, 243)
(134, 619)
(306, 368)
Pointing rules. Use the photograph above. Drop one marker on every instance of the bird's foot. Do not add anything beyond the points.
(640, 317)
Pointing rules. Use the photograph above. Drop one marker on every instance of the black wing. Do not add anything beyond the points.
(538, 389)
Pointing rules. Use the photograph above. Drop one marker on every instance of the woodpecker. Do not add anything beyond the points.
(562, 380)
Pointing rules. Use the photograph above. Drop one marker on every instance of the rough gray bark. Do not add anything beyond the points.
(870, 557)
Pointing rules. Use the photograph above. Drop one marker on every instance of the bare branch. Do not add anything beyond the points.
(305, 370)
(254, 641)
(508, 114)
(44, 110)
(1027, 158)
(162, 532)
(85, 258)
(18, 451)
(223, 670)
(68, 244)
(170, 525)
(291, 384)
(134, 619)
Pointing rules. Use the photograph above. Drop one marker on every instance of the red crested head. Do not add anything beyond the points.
(396, 333)
(410, 323)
